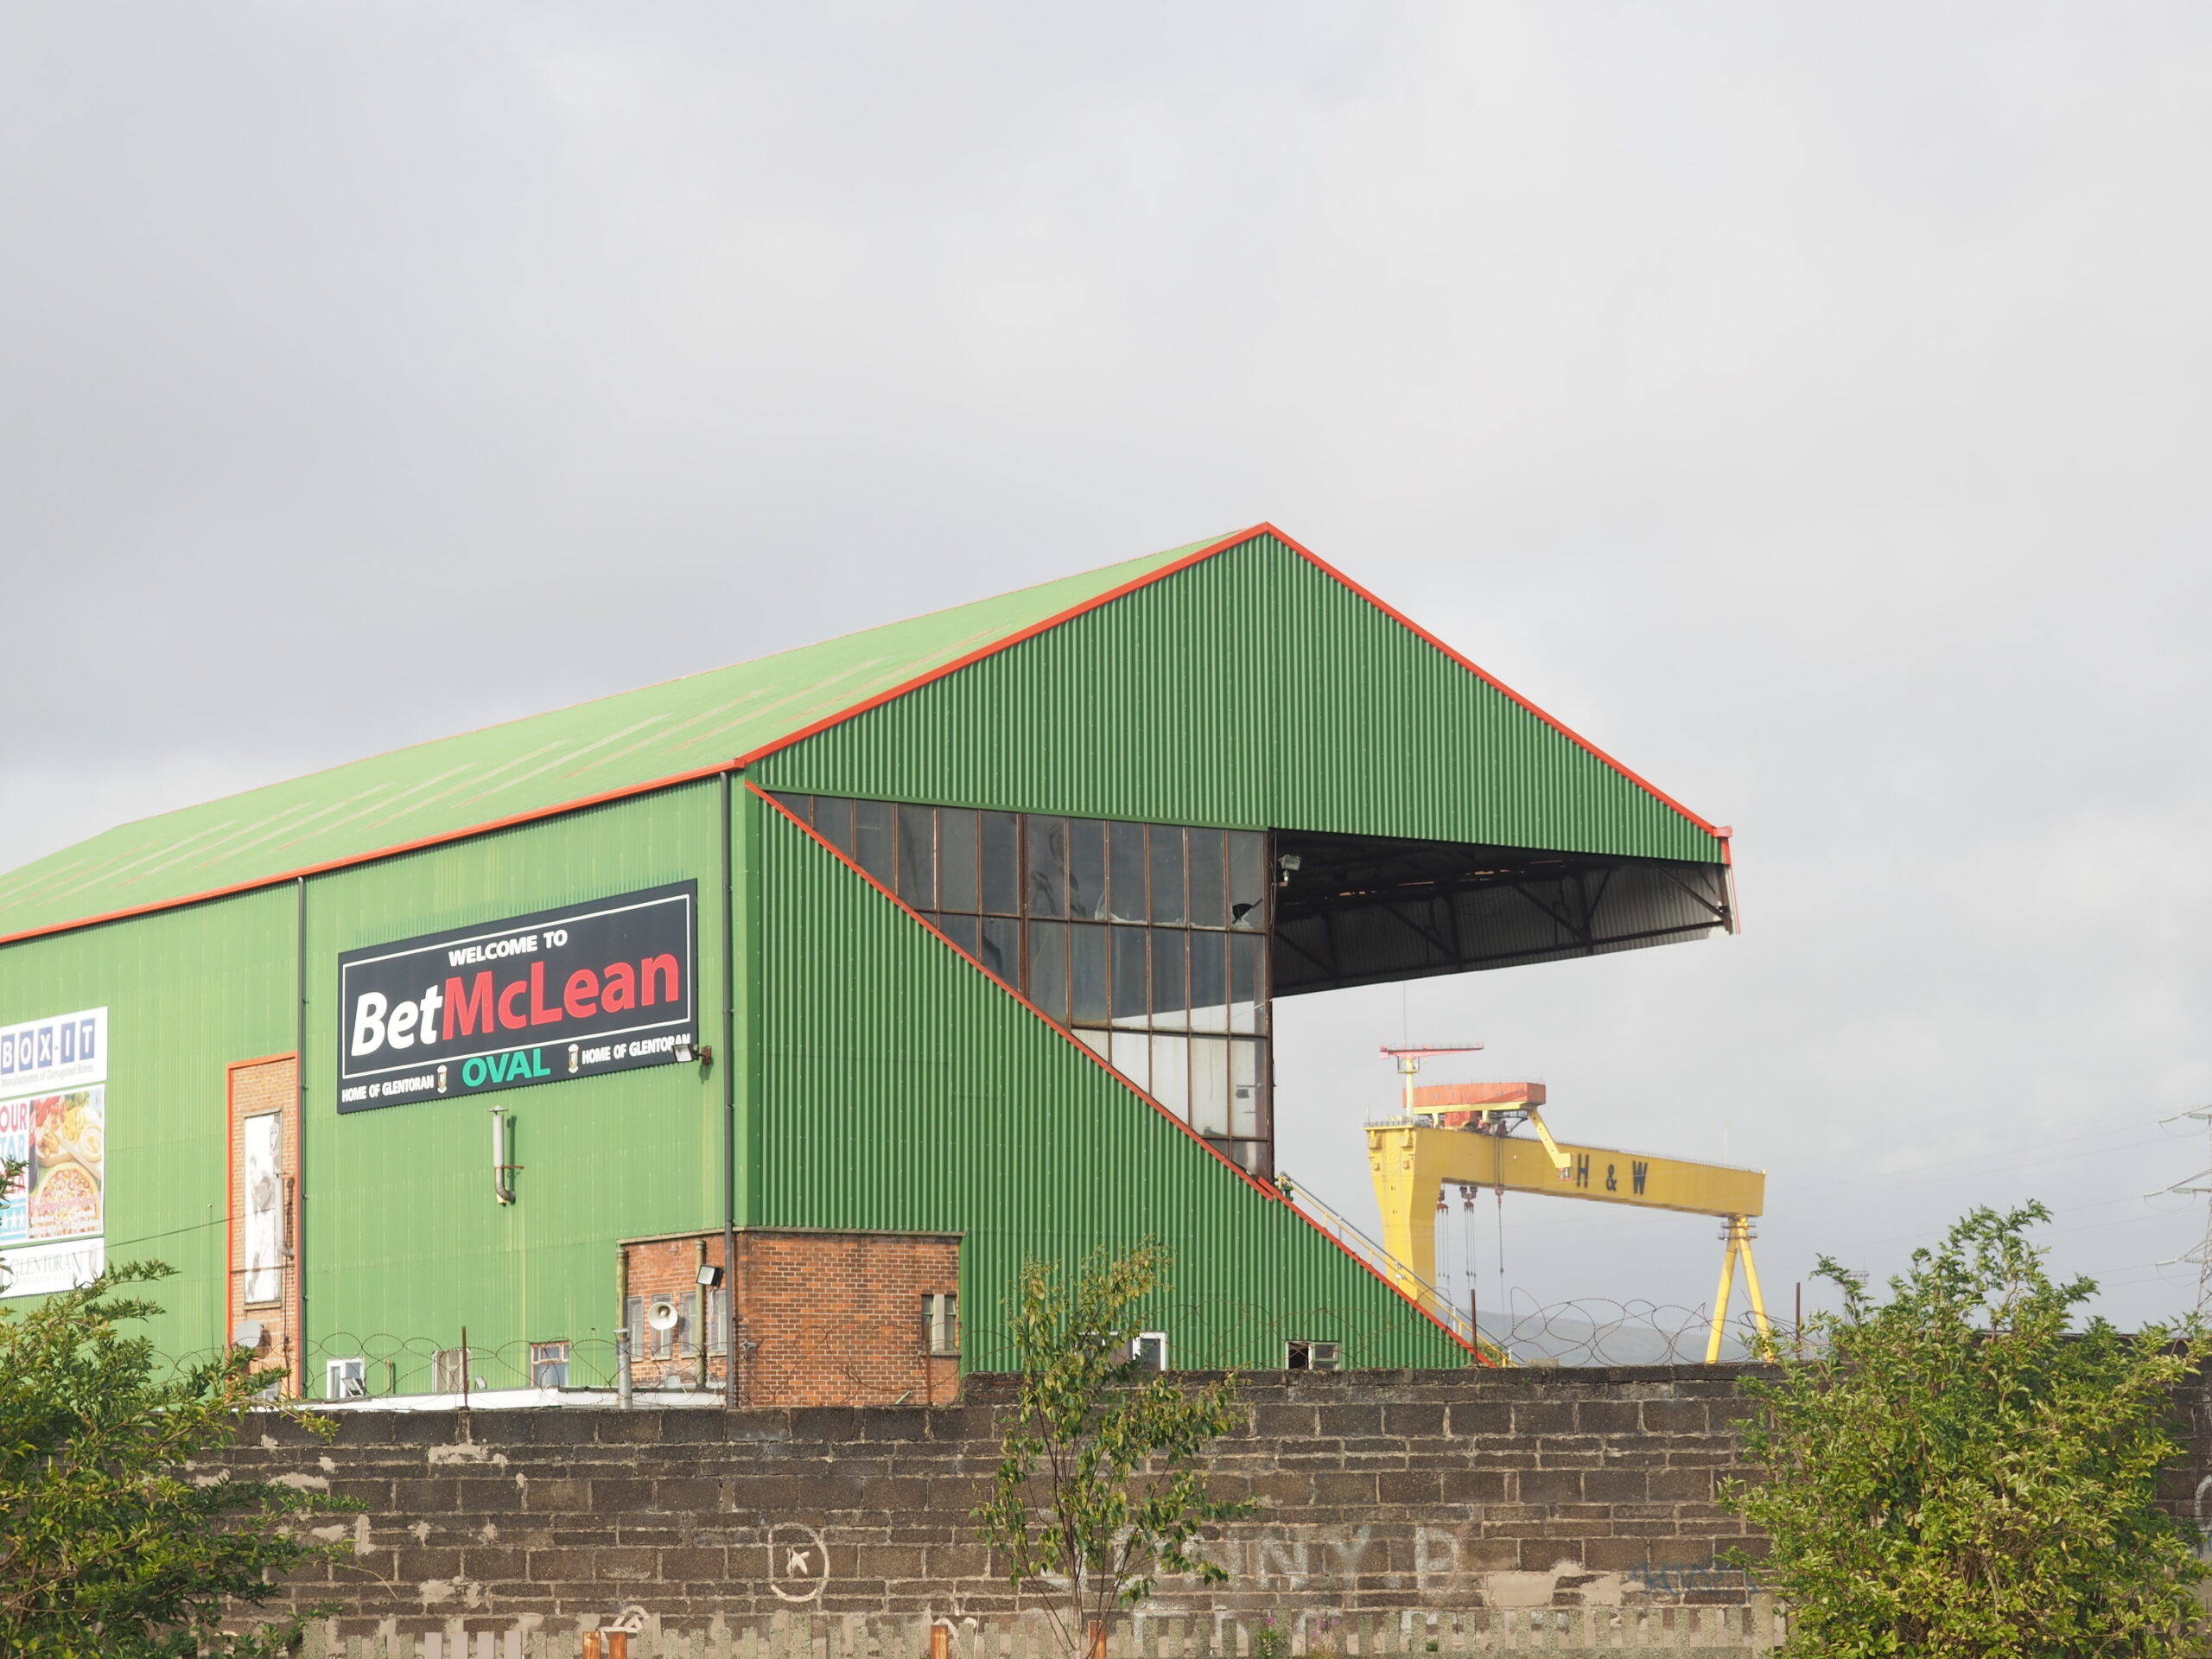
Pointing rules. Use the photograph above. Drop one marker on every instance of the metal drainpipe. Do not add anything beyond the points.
(622, 1330)
(729, 1121)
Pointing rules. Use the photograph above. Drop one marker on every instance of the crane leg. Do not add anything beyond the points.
(1751, 1277)
(1721, 1297)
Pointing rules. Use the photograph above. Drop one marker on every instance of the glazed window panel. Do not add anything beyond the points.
(1248, 878)
(917, 857)
(1088, 975)
(1048, 968)
(1000, 947)
(1166, 863)
(1132, 989)
(1087, 869)
(1171, 1008)
(1209, 981)
(1247, 981)
(955, 847)
(1047, 861)
(1126, 856)
(1002, 863)
(1148, 943)
(1207, 878)
(872, 844)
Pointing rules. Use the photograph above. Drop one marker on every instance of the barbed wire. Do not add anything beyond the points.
(1203, 1335)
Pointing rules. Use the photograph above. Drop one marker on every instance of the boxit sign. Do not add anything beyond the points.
(599, 987)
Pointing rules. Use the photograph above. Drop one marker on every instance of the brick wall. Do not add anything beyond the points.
(823, 1317)
(1382, 1491)
(256, 1088)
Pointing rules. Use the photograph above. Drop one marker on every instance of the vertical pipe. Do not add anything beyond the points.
(622, 1328)
(729, 1126)
(299, 1143)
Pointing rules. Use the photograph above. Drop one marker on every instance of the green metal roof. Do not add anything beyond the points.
(525, 768)
(705, 724)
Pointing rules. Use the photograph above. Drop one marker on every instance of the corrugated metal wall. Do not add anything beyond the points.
(187, 992)
(902, 1088)
(404, 1237)
(1251, 690)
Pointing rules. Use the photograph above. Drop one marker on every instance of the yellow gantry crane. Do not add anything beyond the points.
(1457, 1133)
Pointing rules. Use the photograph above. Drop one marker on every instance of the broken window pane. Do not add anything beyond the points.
(1048, 866)
(1125, 844)
(1167, 874)
(1248, 878)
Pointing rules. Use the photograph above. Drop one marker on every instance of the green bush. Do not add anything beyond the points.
(1954, 1472)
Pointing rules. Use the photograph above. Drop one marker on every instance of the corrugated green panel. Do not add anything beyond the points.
(524, 766)
(188, 994)
(1252, 689)
(404, 1241)
(904, 1088)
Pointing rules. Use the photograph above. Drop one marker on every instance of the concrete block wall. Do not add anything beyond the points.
(1383, 1491)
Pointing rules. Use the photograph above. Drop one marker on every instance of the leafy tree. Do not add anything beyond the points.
(1102, 1482)
(107, 1546)
(1953, 1473)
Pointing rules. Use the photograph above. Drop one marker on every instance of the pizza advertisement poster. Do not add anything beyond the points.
(68, 1161)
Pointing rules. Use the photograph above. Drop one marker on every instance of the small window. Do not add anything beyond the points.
(1314, 1356)
(449, 1370)
(549, 1364)
(1150, 1349)
(633, 1323)
(718, 1319)
(344, 1379)
(941, 1324)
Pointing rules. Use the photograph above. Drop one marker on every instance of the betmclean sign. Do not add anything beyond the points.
(600, 987)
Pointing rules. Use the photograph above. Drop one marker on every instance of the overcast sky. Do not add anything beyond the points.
(1808, 404)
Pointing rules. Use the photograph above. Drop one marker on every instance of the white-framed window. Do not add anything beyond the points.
(1306, 1356)
(1150, 1349)
(549, 1364)
(344, 1379)
(449, 1370)
(941, 1324)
